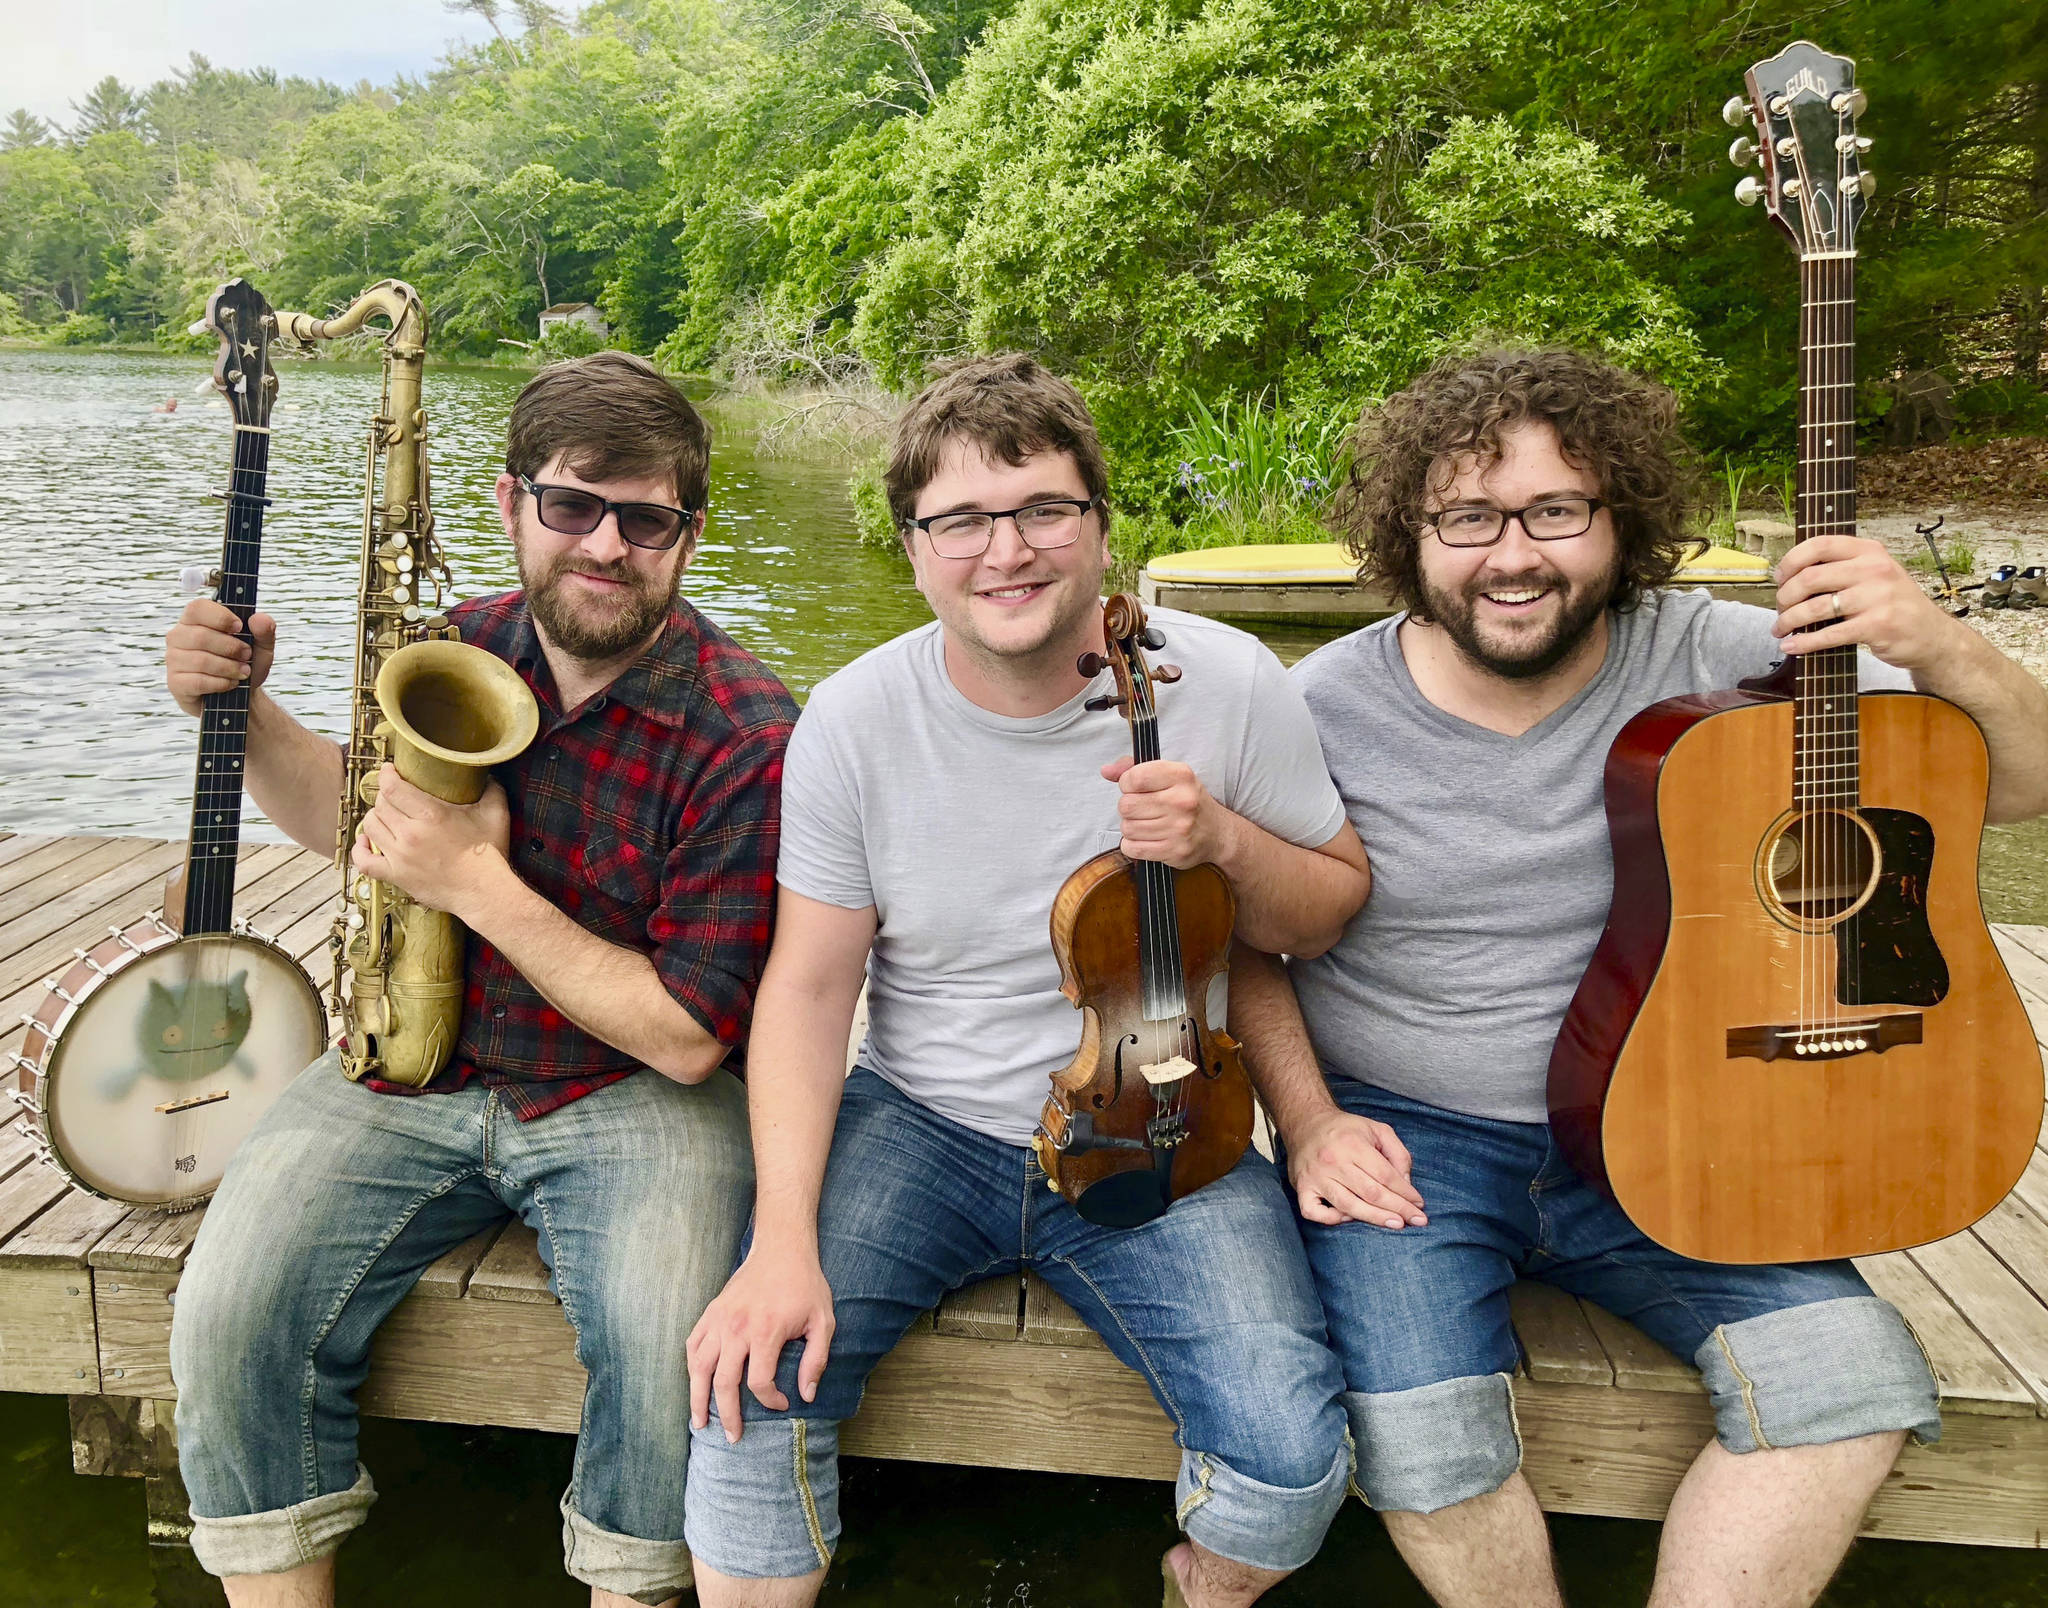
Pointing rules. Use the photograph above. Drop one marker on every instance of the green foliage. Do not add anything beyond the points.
(568, 339)
(11, 321)
(872, 521)
(1281, 207)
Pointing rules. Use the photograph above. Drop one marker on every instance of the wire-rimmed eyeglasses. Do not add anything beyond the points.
(1054, 522)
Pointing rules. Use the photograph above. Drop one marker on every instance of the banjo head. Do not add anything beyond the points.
(156, 1069)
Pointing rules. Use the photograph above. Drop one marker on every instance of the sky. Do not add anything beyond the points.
(56, 50)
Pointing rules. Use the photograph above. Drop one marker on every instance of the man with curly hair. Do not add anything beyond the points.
(1527, 507)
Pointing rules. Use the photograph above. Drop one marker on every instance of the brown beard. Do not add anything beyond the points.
(1583, 603)
(589, 631)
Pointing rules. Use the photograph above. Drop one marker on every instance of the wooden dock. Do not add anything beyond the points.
(1003, 1374)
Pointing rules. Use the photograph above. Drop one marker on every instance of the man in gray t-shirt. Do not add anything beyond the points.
(937, 793)
(1526, 507)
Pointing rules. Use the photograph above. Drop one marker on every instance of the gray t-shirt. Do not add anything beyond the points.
(1491, 868)
(959, 825)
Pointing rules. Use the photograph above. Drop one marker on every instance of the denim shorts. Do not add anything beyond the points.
(1792, 1356)
(1211, 1304)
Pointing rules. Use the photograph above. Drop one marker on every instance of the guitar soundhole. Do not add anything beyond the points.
(1819, 867)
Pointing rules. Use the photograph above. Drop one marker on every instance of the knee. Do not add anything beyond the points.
(224, 1328)
(1817, 1374)
(1435, 1446)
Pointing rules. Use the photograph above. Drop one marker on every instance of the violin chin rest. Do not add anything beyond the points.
(1125, 1199)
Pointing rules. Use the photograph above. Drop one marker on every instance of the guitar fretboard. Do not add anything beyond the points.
(224, 719)
(1827, 744)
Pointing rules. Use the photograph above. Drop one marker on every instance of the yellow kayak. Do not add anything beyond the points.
(1327, 564)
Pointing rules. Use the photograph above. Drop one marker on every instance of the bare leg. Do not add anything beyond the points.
(1490, 1552)
(715, 1590)
(311, 1585)
(611, 1599)
(1767, 1529)
(1198, 1578)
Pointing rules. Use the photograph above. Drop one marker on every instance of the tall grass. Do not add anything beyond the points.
(1250, 473)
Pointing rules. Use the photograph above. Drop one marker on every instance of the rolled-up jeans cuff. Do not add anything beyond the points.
(1250, 1522)
(284, 1538)
(647, 1571)
(1826, 1371)
(768, 1507)
(1436, 1445)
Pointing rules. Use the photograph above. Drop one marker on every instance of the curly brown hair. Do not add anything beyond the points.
(1619, 425)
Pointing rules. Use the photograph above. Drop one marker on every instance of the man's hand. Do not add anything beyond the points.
(1167, 814)
(1867, 593)
(1353, 1169)
(770, 1301)
(442, 854)
(203, 654)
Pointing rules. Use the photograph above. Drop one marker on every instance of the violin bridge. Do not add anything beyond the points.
(1171, 1071)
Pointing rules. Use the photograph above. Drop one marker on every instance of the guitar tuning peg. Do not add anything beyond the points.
(1867, 183)
(1735, 111)
(1091, 665)
(1749, 191)
(1743, 151)
(1850, 103)
(1108, 700)
(1167, 674)
(1852, 144)
(1152, 637)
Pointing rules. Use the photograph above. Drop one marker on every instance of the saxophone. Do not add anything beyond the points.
(441, 711)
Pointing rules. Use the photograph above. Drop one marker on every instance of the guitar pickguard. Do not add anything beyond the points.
(1886, 953)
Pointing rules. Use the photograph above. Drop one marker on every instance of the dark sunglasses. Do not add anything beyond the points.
(571, 511)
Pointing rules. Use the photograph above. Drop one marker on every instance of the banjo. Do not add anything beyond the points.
(153, 1055)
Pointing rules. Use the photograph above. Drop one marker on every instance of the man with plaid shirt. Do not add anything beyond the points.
(617, 882)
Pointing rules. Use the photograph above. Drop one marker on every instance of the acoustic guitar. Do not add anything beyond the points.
(1796, 1039)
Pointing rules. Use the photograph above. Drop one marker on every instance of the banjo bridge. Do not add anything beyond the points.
(191, 1102)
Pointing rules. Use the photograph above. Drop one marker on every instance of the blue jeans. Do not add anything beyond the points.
(331, 1209)
(1792, 1356)
(1210, 1303)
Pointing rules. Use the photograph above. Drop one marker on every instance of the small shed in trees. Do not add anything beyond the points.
(574, 313)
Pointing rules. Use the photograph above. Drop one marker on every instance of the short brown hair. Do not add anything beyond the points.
(1619, 425)
(1011, 407)
(608, 416)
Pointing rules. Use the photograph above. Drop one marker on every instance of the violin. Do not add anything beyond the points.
(1155, 1103)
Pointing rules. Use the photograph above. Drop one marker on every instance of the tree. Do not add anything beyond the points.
(108, 108)
(23, 130)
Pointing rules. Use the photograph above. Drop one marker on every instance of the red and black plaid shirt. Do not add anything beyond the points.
(650, 817)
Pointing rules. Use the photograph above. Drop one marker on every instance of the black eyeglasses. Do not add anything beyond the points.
(1043, 525)
(1552, 520)
(571, 511)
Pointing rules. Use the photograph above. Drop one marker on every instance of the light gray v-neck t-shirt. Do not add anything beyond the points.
(959, 825)
(1491, 867)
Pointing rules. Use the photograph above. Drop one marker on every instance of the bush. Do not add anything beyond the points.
(2002, 407)
(11, 321)
(81, 329)
(872, 521)
(568, 340)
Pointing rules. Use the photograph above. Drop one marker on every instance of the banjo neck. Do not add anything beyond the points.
(244, 376)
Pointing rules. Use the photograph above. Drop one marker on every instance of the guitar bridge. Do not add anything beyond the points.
(1830, 1041)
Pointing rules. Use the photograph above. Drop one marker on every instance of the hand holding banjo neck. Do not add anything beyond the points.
(152, 1056)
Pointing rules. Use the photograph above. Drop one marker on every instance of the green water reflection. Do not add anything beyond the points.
(469, 1516)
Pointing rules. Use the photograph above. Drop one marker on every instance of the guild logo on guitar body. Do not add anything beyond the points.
(1805, 82)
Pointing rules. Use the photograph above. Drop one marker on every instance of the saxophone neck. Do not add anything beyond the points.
(392, 300)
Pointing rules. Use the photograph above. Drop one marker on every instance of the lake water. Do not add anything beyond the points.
(103, 502)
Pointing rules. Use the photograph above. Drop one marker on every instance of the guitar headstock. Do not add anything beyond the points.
(1803, 105)
(239, 315)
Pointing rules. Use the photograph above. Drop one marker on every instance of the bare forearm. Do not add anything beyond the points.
(2010, 708)
(1266, 1019)
(608, 991)
(1292, 900)
(796, 1066)
(294, 775)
